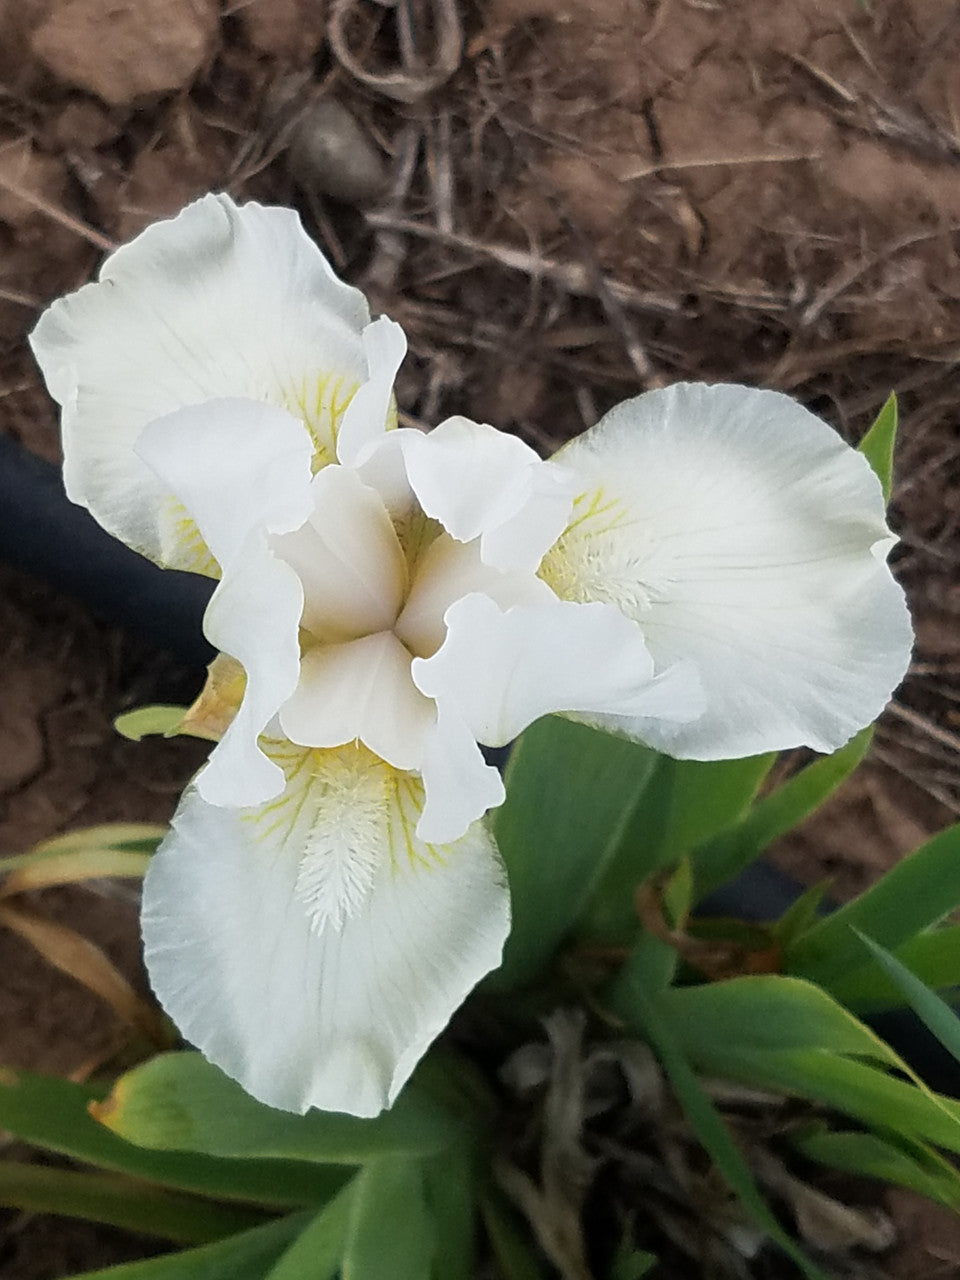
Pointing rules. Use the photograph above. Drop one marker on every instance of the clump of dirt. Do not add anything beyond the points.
(124, 50)
(62, 766)
(591, 198)
(30, 1251)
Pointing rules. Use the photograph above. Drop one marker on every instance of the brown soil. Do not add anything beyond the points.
(603, 195)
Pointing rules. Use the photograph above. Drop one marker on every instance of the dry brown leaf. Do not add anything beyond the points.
(212, 713)
(77, 957)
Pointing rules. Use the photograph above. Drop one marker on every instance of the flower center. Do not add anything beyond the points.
(593, 561)
(373, 600)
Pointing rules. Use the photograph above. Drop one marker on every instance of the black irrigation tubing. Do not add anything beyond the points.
(44, 534)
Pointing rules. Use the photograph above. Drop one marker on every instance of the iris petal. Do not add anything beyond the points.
(233, 466)
(744, 536)
(502, 670)
(319, 1013)
(220, 301)
(459, 785)
(347, 557)
(446, 572)
(482, 483)
(254, 617)
(360, 689)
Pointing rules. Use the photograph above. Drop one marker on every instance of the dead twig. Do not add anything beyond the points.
(919, 779)
(419, 76)
(56, 214)
(823, 79)
(613, 307)
(912, 129)
(440, 165)
(632, 172)
(924, 725)
(572, 276)
(903, 123)
(797, 365)
(20, 299)
(390, 247)
(857, 270)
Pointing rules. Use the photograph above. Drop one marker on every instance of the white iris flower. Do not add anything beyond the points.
(704, 571)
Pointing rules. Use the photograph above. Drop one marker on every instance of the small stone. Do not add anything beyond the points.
(122, 50)
(332, 154)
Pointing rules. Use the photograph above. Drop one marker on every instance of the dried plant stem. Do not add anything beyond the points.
(572, 276)
(56, 214)
(418, 75)
(925, 726)
(630, 174)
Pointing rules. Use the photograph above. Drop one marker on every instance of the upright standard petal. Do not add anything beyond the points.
(446, 572)
(481, 483)
(348, 558)
(370, 411)
(743, 536)
(220, 301)
(314, 947)
(241, 471)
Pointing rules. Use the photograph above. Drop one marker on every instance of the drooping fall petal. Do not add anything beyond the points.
(744, 536)
(314, 947)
